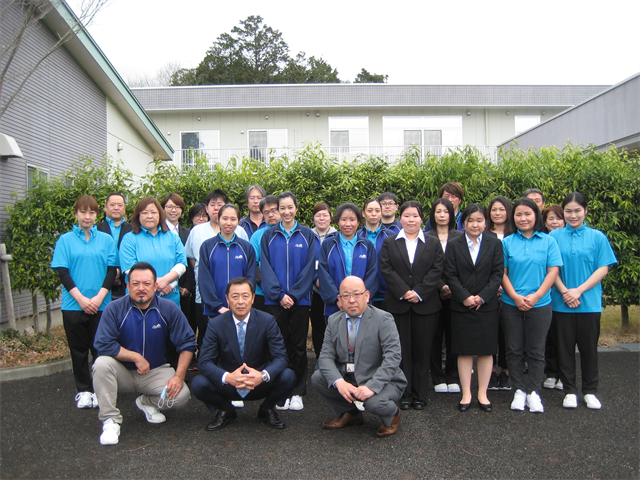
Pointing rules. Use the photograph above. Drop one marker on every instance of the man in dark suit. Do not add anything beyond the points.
(359, 364)
(242, 358)
(115, 225)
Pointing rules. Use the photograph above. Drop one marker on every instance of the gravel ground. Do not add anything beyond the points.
(43, 435)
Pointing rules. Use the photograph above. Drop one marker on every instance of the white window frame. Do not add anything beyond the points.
(33, 168)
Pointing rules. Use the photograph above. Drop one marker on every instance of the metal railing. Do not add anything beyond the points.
(226, 156)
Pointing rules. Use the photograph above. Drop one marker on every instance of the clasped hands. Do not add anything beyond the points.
(474, 301)
(571, 298)
(525, 304)
(411, 297)
(350, 392)
(244, 377)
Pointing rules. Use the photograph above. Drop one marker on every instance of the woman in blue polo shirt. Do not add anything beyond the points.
(223, 258)
(86, 261)
(531, 263)
(151, 241)
(343, 254)
(577, 299)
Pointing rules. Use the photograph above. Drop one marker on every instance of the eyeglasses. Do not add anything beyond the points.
(254, 199)
(273, 211)
(388, 204)
(349, 296)
(172, 207)
(201, 215)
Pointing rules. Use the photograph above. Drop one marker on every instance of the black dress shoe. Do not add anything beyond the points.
(270, 417)
(405, 403)
(486, 407)
(418, 405)
(463, 407)
(221, 420)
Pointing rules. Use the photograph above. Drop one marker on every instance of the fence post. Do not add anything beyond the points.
(6, 282)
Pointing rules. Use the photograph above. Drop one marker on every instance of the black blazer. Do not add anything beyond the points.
(452, 234)
(401, 276)
(125, 227)
(466, 279)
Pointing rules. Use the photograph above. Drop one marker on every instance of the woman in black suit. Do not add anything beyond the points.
(474, 269)
(443, 223)
(411, 264)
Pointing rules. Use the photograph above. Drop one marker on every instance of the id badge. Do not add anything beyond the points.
(351, 368)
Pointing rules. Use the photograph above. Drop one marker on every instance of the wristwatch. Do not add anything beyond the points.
(265, 376)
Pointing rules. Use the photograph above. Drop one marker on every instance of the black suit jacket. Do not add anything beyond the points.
(466, 279)
(264, 346)
(401, 276)
(125, 227)
(451, 235)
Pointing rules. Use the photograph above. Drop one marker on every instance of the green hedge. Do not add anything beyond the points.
(609, 179)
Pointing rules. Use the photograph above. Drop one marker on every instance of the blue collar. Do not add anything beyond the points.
(79, 232)
(578, 230)
(225, 241)
(373, 231)
(344, 241)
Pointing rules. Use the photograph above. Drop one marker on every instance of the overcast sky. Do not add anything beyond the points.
(422, 42)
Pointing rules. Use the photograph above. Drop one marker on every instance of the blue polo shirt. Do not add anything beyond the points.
(347, 248)
(583, 250)
(163, 251)
(527, 260)
(373, 235)
(87, 263)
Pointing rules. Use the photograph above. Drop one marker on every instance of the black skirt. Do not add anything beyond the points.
(474, 332)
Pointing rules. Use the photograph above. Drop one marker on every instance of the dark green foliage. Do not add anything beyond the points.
(365, 77)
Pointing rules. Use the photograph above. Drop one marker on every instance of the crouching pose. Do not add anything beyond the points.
(131, 341)
(360, 362)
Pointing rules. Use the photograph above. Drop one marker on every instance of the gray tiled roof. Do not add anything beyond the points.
(361, 95)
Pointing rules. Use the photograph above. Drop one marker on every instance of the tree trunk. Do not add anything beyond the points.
(48, 303)
(624, 311)
(36, 314)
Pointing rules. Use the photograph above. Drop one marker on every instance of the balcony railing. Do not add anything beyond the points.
(225, 156)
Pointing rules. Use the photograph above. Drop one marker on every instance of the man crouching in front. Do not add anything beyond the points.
(359, 364)
(131, 341)
(242, 358)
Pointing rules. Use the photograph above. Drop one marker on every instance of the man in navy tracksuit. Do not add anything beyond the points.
(344, 254)
(375, 231)
(131, 341)
(288, 269)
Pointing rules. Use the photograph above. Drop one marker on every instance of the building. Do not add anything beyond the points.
(349, 119)
(609, 118)
(74, 104)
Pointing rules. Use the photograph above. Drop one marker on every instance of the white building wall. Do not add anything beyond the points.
(136, 154)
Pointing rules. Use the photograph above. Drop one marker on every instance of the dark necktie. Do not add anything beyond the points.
(243, 392)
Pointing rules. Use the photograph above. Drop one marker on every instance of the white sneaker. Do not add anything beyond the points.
(84, 400)
(570, 401)
(94, 401)
(559, 385)
(110, 432)
(592, 401)
(534, 403)
(550, 382)
(152, 413)
(453, 388)
(285, 406)
(296, 403)
(237, 404)
(441, 388)
(518, 400)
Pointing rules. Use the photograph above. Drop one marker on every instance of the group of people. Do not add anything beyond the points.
(516, 285)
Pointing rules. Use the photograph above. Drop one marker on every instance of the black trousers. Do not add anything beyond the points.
(416, 340)
(294, 327)
(318, 322)
(80, 328)
(449, 374)
(583, 330)
(258, 303)
(551, 349)
(218, 396)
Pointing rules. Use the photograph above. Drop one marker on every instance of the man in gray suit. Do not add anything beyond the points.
(360, 362)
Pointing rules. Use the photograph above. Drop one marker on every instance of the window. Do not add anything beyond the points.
(349, 135)
(34, 172)
(525, 122)
(428, 133)
(263, 142)
(206, 143)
